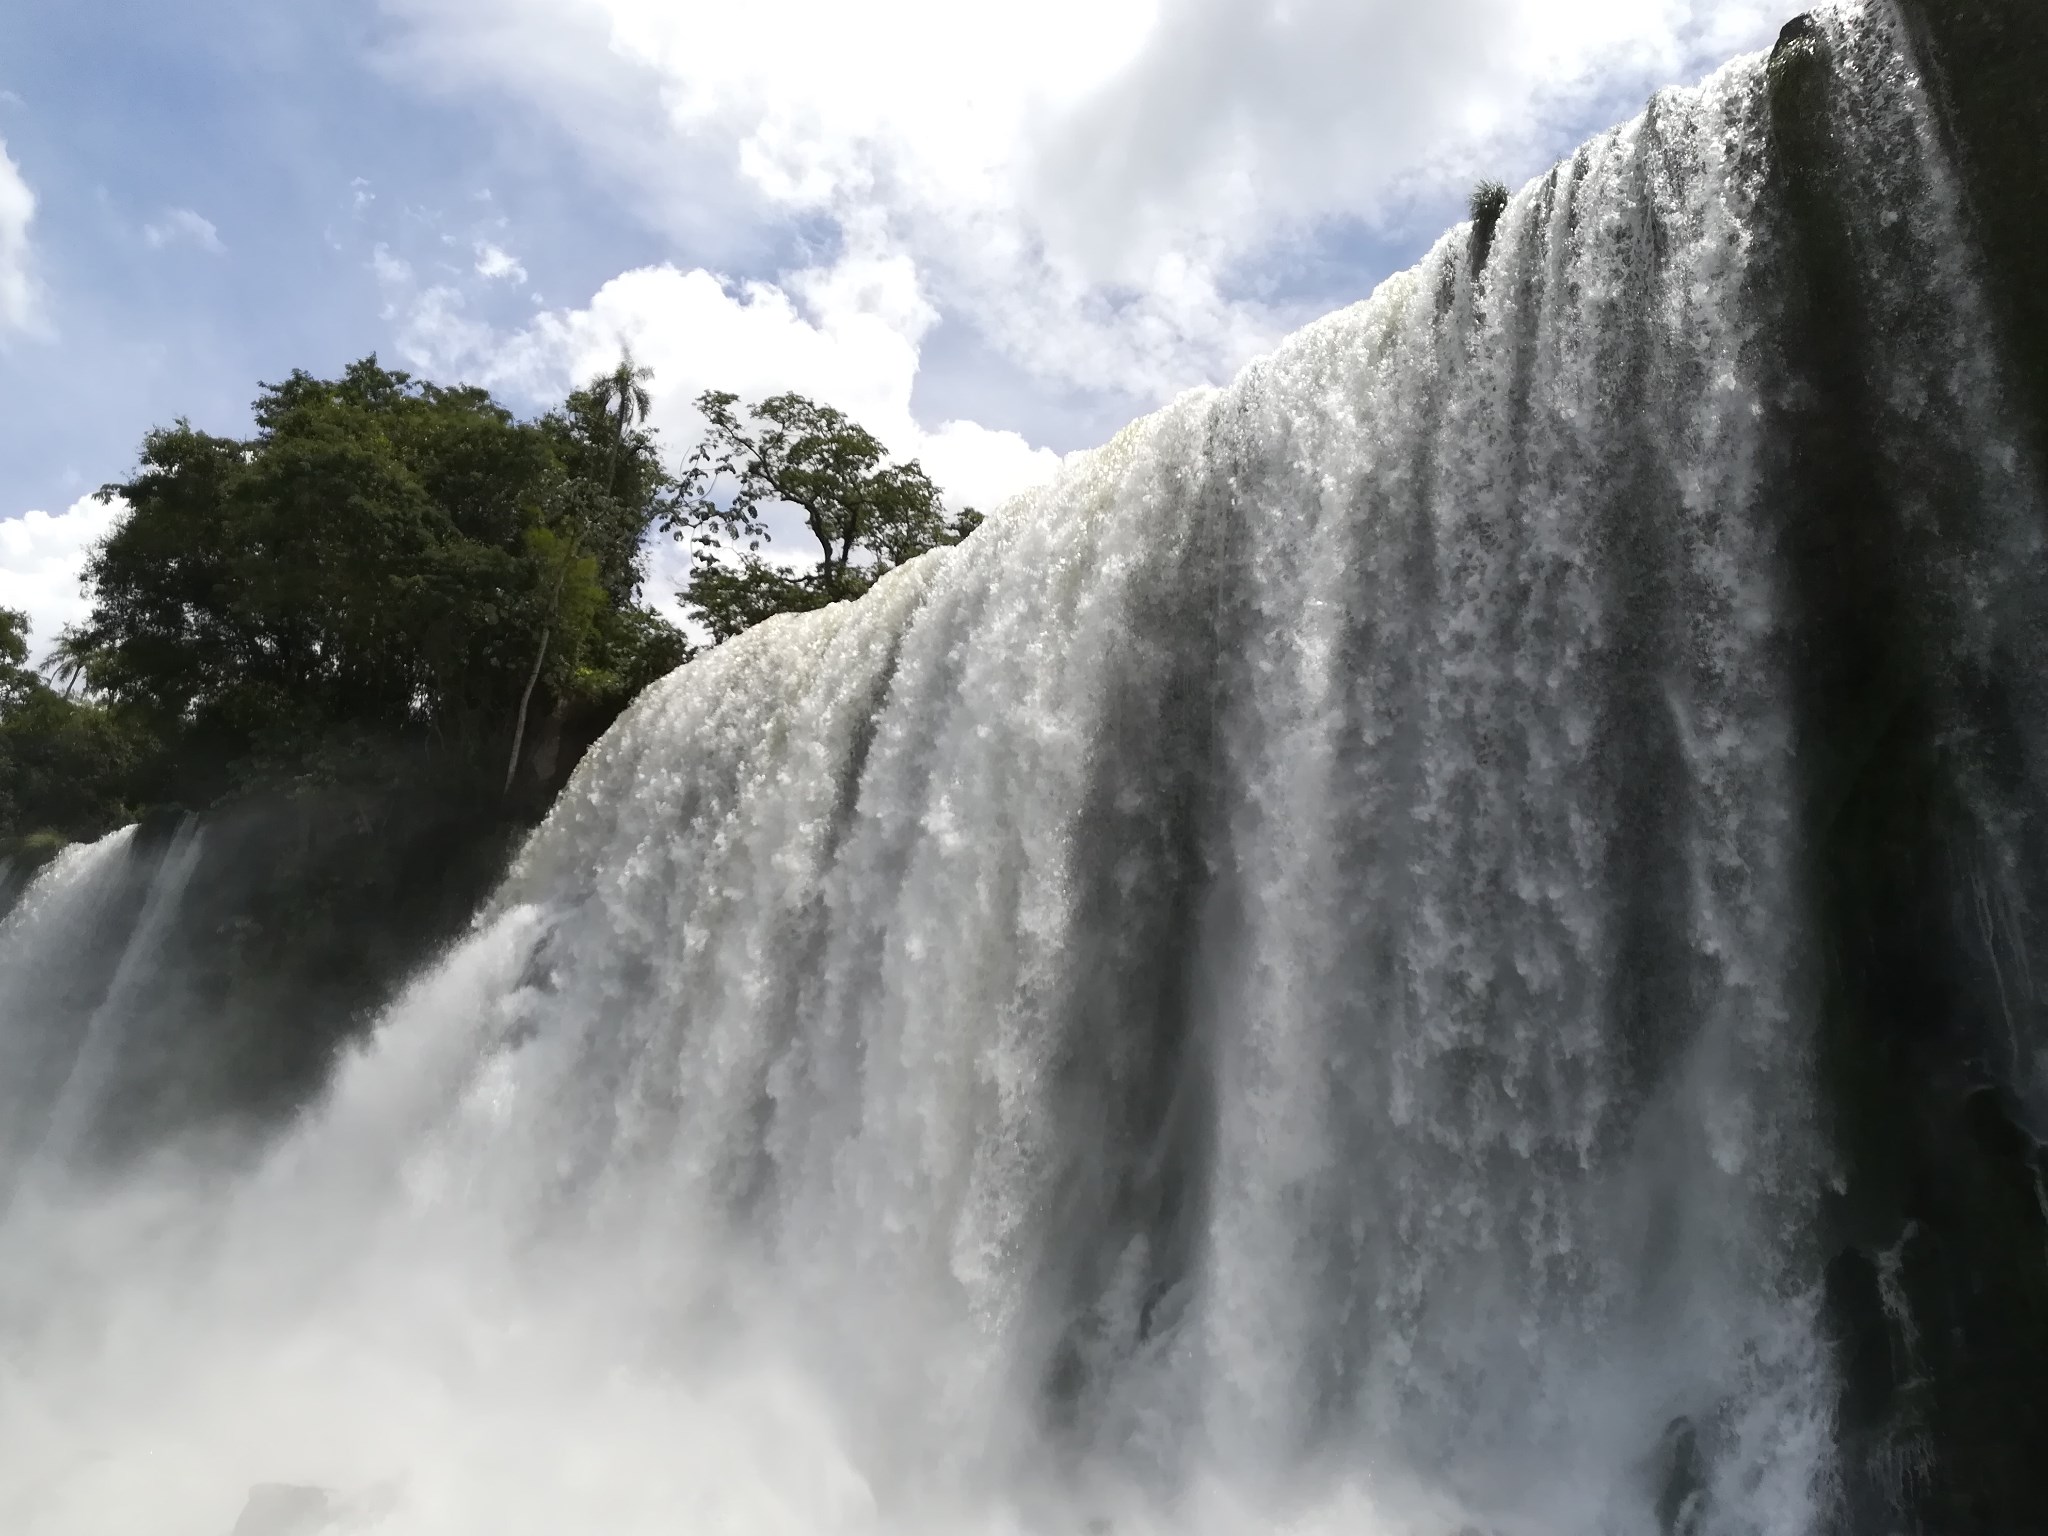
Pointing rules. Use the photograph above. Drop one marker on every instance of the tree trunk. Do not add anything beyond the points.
(611, 478)
(525, 699)
(824, 547)
(846, 543)
(547, 633)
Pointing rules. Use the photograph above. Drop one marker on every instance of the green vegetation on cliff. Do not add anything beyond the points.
(358, 590)
(395, 587)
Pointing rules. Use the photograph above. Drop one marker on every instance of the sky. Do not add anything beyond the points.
(991, 231)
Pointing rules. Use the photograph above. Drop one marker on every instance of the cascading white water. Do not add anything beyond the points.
(1262, 992)
(39, 954)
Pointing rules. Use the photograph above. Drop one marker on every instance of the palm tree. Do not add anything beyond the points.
(623, 390)
(622, 397)
(71, 659)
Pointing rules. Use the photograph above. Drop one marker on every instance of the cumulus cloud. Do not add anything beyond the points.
(42, 556)
(1238, 120)
(181, 226)
(848, 334)
(1091, 185)
(18, 292)
(1095, 191)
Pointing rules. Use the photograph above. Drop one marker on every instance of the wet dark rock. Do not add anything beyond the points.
(1883, 1447)
(1983, 61)
(1800, 29)
(1937, 1289)
(1488, 202)
(1861, 1336)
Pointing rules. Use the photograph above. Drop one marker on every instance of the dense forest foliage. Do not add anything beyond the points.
(394, 586)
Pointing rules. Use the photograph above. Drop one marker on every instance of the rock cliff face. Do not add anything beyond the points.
(1926, 783)
(1987, 64)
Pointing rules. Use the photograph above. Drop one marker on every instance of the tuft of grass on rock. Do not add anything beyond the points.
(1489, 200)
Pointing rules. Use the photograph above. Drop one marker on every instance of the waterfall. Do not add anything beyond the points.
(1274, 988)
(49, 946)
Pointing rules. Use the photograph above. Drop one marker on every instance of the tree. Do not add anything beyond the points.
(65, 767)
(14, 671)
(866, 513)
(69, 664)
(389, 572)
(602, 442)
(620, 398)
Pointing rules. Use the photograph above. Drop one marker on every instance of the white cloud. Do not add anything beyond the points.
(847, 334)
(19, 306)
(494, 262)
(1084, 183)
(181, 226)
(1096, 191)
(42, 556)
(1240, 121)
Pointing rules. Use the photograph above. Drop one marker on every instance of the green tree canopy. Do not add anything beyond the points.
(14, 672)
(598, 515)
(866, 513)
(372, 573)
(65, 767)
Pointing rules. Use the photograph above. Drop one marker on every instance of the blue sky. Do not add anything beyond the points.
(993, 232)
(271, 123)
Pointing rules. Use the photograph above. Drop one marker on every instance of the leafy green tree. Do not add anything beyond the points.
(14, 669)
(601, 439)
(65, 767)
(595, 516)
(866, 513)
(389, 573)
